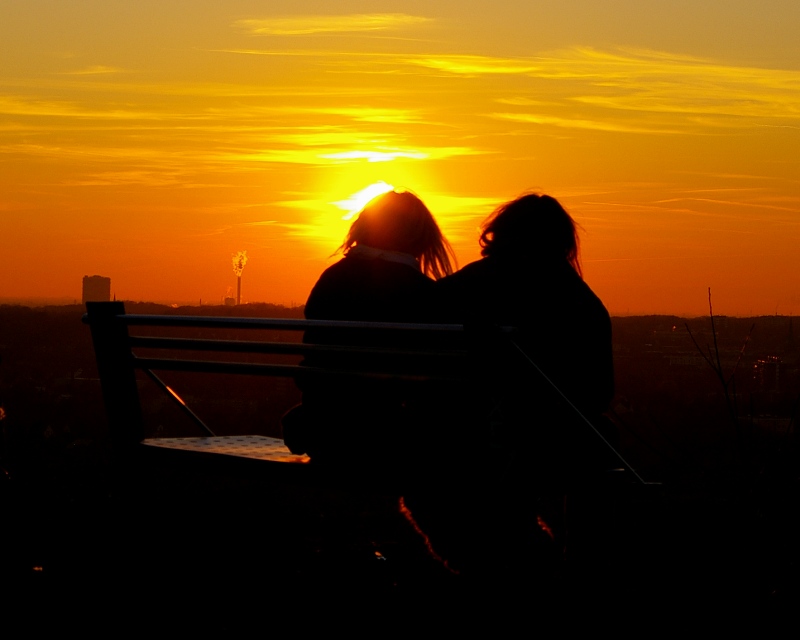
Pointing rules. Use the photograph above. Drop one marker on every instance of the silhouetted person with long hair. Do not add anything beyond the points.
(530, 278)
(530, 441)
(392, 252)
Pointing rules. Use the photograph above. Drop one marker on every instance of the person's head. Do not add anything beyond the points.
(399, 221)
(532, 227)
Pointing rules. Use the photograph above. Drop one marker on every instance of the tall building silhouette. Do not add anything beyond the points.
(96, 289)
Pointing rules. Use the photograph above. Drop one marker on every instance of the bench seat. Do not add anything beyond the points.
(251, 447)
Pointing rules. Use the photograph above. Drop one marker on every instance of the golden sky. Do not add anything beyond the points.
(150, 141)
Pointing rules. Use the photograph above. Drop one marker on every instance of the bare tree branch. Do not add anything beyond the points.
(741, 352)
(705, 357)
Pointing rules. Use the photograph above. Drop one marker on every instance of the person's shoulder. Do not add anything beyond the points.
(483, 265)
(331, 275)
(460, 296)
(590, 301)
(467, 274)
(344, 265)
(326, 290)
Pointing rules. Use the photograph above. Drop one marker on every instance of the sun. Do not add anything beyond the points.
(356, 201)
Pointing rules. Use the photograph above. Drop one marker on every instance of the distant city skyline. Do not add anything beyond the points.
(151, 141)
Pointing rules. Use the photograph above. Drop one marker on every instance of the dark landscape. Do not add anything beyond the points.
(712, 422)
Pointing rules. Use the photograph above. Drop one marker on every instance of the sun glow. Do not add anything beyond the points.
(356, 202)
(129, 137)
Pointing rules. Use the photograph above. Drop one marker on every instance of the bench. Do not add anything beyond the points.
(436, 353)
(127, 343)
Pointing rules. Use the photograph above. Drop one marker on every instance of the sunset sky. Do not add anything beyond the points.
(150, 141)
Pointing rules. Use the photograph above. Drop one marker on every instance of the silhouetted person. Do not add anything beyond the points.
(529, 441)
(530, 278)
(391, 253)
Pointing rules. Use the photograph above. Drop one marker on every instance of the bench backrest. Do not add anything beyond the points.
(433, 352)
(436, 353)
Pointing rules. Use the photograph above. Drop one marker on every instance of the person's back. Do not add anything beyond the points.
(561, 324)
(532, 442)
(359, 418)
(561, 331)
(382, 278)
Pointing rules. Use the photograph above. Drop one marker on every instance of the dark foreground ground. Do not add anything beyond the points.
(213, 551)
(86, 545)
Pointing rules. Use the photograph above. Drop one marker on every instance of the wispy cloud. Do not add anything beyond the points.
(372, 114)
(730, 203)
(476, 65)
(641, 80)
(85, 152)
(361, 113)
(524, 102)
(331, 137)
(97, 69)
(119, 178)
(375, 156)
(386, 155)
(23, 106)
(577, 123)
(307, 25)
(317, 156)
(789, 199)
(693, 97)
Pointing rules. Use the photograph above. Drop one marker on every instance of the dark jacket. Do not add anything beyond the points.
(358, 288)
(562, 327)
(356, 420)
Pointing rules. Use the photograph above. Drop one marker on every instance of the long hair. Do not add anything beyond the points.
(534, 227)
(399, 221)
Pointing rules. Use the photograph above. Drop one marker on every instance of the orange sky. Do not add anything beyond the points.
(150, 141)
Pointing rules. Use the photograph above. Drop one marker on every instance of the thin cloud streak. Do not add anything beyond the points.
(310, 25)
(375, 156)
(12, 105)
(576, 123)
(369, 114)
(120, 178)
(641, 80)
(97, 69)
(471, 65)
(703, 94)
(340, 156)
(732, 203)
(199, 89)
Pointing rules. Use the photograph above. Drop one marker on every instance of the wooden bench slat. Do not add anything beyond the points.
(286, 348)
